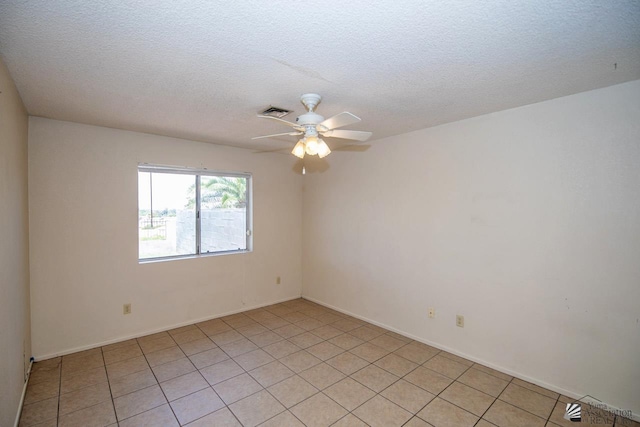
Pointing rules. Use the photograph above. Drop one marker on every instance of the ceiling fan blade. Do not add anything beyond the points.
(339, 120)
(278, 134)
(293, 125)
(348, 134)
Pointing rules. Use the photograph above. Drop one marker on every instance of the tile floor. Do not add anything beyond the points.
(290, 364)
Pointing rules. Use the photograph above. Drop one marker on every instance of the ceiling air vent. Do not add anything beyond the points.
(275, 112)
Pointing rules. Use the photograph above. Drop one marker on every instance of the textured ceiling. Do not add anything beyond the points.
(201, 69)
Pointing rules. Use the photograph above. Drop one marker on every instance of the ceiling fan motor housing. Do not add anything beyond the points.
(309, 118)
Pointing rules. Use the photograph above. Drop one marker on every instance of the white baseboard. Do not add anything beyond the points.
(153, 331)
(24, 392)
(552, 387)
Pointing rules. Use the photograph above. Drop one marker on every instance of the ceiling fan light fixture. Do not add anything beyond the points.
(323, 149)
(311, 144)
(299, 149)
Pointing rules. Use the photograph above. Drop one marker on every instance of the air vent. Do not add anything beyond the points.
(275, 112)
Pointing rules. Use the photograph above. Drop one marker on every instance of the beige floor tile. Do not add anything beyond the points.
(274, 323)
(271, 373)
(52, 363)
(318, 411)
(39, 412)
(139, 401)
(208, 358)
(42, 391)
(326, 332)
(221, 418)
(188, 336)
(82, 354)
(369, 352)
(397, 365)
(455, 358)
(196, 405)
(417, 352)
(408, 396)
(397, 336)
(227, 337)
(305, 340)
(178, 387)
(281, 349)
(237, 388)
(173, 369)
(325, 350)
(350, 420)
(380, 412)
(626, 422)
(388, 342)
(375, 378)
(349, 393)
(119, 344)
(528, 400)
(253, 359)
(157, 344)
(98, 415)
(428, 380)
(212, 328)
(132, 382)
(537, 389)
(484, 423)
(221, 371)
(152, 337)
(441, 413)
(160, 416)
(239, 347)
(300, 361)
(322, 375)
(181, 329)
(85, 397)
(467, 398)
(289, 330)
(346, 325)
(493, 372)
(284, 419)
(292, 391)
(346, 341)
(483, 382)
(265, 338)
(309, 324)
(347, 363)
(251, 330)
(76, 364)
(126, 367)
(445, 366)
(238, 320)
(257, 408)
(166, 355)
(504, 415)
(365, 333)
(122, 353)
(44, 374)
(417, 422)
(82, 379)
(198, 346)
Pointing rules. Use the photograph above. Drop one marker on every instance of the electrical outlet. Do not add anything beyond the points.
(432, 312)
(126, 309)
(460, 321)
(278, 280)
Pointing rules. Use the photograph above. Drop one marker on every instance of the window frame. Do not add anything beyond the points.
(149, 168)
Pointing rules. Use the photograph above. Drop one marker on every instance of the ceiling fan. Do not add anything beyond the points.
(313, 126)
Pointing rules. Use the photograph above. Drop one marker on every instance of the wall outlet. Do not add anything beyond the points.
(278, 281)
(432, 312)
(460, 321)
(126, 309)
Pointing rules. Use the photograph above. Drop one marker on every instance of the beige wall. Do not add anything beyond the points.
(84, 247)
(526, 221)
(15, 340)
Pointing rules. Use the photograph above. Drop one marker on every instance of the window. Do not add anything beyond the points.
(187, 212)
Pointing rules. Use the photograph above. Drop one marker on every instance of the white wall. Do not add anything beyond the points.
(15, 340)
(84, 248)
(526, 221)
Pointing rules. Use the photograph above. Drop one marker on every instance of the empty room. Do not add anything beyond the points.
(410, 213)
